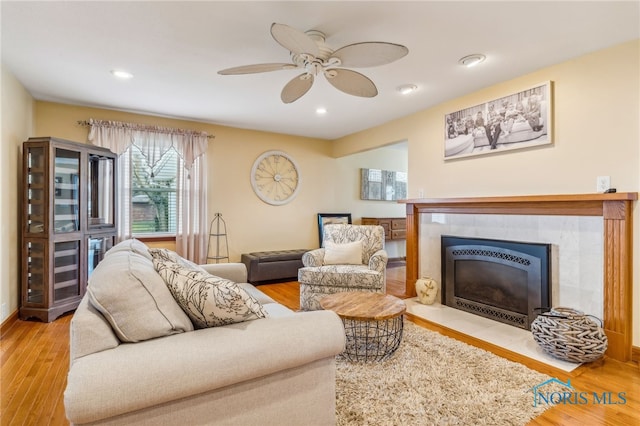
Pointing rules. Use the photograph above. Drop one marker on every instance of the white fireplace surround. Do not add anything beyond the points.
(616, 242)
(577, 249)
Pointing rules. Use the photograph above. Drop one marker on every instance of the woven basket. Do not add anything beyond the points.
(570, 335)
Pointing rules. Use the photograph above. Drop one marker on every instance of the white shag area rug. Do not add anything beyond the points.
(436, 380)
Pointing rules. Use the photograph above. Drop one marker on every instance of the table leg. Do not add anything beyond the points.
(372, 340)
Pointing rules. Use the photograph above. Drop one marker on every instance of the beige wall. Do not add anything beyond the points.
(347, 169)
(252, 225)
(596, 113)
(17, 124)
(596, 133)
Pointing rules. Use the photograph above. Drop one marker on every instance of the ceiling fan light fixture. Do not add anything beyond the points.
(310, 54)
(321, 110)
(472, 60)
(407, 89)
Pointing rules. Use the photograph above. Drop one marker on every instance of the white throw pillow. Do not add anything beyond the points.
(343, 254)
(209, 301)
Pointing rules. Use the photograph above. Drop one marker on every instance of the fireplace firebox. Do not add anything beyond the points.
(507, 281)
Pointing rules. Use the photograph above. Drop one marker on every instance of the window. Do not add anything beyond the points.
(153, 192)
(162, 174)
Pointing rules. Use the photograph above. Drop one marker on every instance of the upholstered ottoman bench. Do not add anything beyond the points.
(265, 266)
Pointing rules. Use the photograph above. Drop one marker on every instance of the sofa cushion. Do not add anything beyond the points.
(129, 293)
(130, 245)
(276, 310)
(343, 253)
(90, 332)
(261, 297)
(346, 276)
(208, 300)
(236, 272)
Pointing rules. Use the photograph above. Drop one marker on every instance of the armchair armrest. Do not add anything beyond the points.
(236, 272)
(378, 262)
(313, 257)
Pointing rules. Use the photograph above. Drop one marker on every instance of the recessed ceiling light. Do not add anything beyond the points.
(122, 74)
(471, 60)
(406, 89)
(321, 110)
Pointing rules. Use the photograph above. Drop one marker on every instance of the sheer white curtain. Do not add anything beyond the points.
(191, 192)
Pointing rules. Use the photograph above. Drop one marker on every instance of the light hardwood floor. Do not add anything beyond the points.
(35, 359)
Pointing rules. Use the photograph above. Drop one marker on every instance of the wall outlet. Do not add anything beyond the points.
(5, 311)
(603, 183)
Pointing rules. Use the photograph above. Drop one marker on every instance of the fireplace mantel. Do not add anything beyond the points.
(615, 210)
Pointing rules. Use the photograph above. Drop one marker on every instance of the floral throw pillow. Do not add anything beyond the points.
(167, 255)
(209, 301)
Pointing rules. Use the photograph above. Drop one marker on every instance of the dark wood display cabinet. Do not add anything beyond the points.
(68, 222)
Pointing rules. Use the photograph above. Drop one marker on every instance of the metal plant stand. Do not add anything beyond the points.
(218, 247)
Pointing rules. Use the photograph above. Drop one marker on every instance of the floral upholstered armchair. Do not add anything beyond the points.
(352, 258)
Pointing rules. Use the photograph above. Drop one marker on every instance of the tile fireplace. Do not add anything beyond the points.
(611, 262)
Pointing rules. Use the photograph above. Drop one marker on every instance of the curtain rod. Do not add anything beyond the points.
(85, 123)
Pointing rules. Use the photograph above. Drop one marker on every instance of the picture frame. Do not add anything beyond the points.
(327, 218)
(518, 120)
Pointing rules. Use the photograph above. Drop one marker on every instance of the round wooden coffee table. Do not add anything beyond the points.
(373, 323)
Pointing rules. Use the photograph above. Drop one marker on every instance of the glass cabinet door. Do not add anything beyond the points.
(66, 270)
(66, 191)
(96, 248)
(36, 194)
(100, 186)
(35, 255)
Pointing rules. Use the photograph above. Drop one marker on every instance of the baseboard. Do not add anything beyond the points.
(635, 354)
(8, 323)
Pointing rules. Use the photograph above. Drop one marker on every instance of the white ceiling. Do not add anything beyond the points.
(63, 52)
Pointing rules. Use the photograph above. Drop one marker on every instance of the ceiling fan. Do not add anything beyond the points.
(310, 53)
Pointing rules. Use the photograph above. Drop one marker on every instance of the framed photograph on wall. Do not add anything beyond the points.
(326, 218)
(519, 120)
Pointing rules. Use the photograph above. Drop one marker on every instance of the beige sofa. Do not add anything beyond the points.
(269, 371)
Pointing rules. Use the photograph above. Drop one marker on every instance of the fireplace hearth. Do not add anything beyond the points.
(507, 281)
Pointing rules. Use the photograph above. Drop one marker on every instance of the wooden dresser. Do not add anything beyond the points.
(395, 228)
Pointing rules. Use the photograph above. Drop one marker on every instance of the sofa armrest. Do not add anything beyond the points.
(236, 272)
(313, 257)
(119, 380)
(378, 262)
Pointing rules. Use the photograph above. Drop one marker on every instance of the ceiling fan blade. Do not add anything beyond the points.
(294, 40)
(369, 54)
(296, 88)
(351, 82)
(256, 68)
